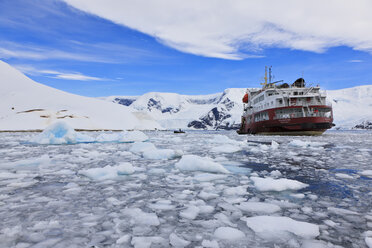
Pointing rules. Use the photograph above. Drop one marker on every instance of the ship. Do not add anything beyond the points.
(282, 109)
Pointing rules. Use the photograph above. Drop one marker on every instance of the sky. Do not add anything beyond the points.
(124, 47)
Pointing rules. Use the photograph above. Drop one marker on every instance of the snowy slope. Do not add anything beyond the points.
(351, 107)
(188, 111)
(27, 105)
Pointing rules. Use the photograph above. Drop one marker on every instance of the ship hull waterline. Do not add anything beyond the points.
(293, 126)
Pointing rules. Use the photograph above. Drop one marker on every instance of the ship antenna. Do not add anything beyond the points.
(264, 84)
(270, 77)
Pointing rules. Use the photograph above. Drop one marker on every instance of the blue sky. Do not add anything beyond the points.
(69, 49)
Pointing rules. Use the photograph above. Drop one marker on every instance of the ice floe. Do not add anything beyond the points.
(229, 233)
(60, 133)
(108, 172)
(258, 207)
(125, 136)
(149, 151)
(271, 184)
(196, 163)
(277, 227)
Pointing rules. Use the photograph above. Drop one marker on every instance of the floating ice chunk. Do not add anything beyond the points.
(210, 243)
(162, 205)
(222, 139)
(206, 209)
(145, 242)
(140, 147)
(60, 133)
(341, 211)
(275, 173)
(298, 196)
(207, 196)
(161, 154)
(149, 151)
(226, 149)
(228, 233)
(123, 239)
(314, 244)
(176, 241)
(271, 184)
(300, 143)
(274, 145)
(275, 227)
(190, 213)
(224, 219)
(196, 163)
(366, 173)
(108, 172)
(344, 176)
(258, 207)
(138, 217)
(206, 177)
(238, 190)
(125, 137)
(368, 241)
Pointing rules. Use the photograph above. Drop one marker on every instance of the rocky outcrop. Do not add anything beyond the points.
(215, 118)
(364, 125)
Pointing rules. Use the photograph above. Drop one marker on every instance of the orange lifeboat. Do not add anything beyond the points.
(245, 98)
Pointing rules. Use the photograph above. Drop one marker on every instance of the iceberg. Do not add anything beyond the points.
(60, 133)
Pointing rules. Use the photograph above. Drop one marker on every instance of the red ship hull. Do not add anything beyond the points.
(310, 125)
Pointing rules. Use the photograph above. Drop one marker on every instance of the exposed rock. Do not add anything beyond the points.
(364, 125)
(214, 119)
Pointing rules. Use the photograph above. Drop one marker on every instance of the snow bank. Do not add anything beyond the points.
(228, 233)
(276, 227)
(149, 151)
(271, 184)
(258, 207)
(196, 163)
(127, 137)
(108, 172)
(60, 133)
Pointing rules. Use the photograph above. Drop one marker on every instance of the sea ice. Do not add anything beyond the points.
(300, 143)
(271, 184)
(226, 149)
(196, 163)
(222, 139)
(60, 133)
(258, 207)
(190, 213)
(140, 218)
(125, 136)
(368, 242)
(108, 172)
(366, 173)
(149, 151)
(228, 233)
(276, 227)
(177, 242)
(206, 177)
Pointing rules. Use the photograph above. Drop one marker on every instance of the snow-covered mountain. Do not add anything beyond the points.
(27, 105)
(352, 107)
(215, 111)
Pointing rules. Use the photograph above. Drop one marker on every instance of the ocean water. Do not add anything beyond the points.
(46, 199)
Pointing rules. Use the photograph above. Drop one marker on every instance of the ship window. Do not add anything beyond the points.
(280, 101)
(301, 93)
(295, 93)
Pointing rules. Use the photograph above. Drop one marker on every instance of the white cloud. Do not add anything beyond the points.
(355, 61)
(30, 70)
(231, 29)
